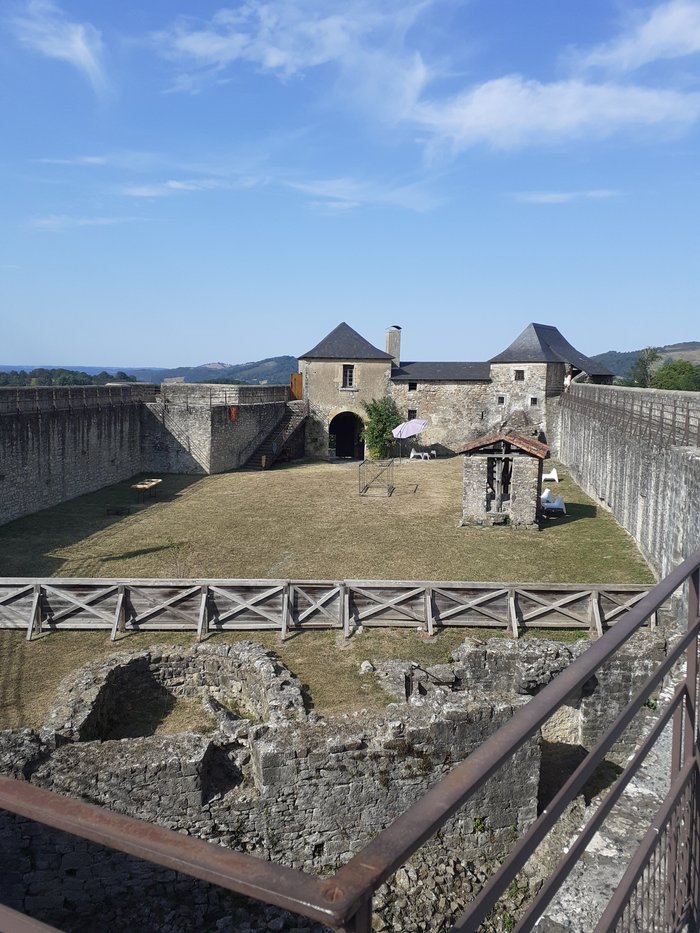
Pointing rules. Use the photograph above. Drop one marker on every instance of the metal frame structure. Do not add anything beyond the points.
(660, 890)
(376, 476)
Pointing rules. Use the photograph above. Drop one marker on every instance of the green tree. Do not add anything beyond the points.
(680, 375)
(641, 373)
(382, 418)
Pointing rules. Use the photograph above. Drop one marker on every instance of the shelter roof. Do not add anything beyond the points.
(344, 343)
(442, 372)
(529, 445)
(542, 343)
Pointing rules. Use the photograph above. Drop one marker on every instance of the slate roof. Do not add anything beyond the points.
(441, 372)
(542, 343)
(344, 343)
(529, 445)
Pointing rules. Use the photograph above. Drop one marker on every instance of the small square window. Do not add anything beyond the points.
(501, 399)
(519, 375)
(412, 413)
(412, 386)
(533, 400)
(348, 376)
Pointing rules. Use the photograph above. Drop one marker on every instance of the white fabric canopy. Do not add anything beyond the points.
(409, 428)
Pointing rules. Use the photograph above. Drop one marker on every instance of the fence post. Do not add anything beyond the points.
(203, 620)
(119, 613)
(35, 613)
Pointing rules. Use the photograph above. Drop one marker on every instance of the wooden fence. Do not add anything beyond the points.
(287, 606)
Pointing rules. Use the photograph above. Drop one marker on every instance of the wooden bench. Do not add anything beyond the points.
(144, 486)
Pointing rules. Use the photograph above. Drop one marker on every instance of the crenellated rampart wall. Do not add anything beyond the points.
(637, 453)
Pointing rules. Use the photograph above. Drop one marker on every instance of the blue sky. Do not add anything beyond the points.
(185, 182)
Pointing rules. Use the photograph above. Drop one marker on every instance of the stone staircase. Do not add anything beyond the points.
(278, 441)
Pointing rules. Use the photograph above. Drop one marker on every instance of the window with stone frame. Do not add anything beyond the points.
(519, 375)
(348, 376)
(533, 400)
(501, 400)
(411, 414)
(412, 386)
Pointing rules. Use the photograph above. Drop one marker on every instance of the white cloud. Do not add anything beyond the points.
(671, 30)
(363, 39)
(44, 27)
(58, 223)
(563, 197)
(336, 194)
(172, 186)
(512, 112)
(78, 160)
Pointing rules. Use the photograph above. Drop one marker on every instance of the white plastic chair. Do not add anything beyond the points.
(414, 455)
(546, 496)
(556, 505)
(553, 475)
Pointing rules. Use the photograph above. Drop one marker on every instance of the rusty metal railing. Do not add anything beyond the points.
(660, 889)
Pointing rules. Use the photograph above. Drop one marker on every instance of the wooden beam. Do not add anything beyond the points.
(203, 617)
(513, 614)
(596, 617)
(119, 613)
(35, 613)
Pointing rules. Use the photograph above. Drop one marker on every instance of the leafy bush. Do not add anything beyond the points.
(382, 418)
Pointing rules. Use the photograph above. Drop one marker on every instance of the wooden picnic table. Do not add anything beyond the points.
(144, 486)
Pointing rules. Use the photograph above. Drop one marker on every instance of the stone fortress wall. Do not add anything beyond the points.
(59, 443)
(637, 453)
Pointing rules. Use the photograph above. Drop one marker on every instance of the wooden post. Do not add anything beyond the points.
(596, 617)
(35, 613)
(428, 597)
(203, 620)
(344, 597)
(513, 614)
(119, 614)
(286, 610)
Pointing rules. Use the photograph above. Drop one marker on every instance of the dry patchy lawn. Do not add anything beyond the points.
(307, 521)
(304, 521)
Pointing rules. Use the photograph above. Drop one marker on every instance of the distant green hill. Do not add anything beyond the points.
(274, 370)
(622, 363)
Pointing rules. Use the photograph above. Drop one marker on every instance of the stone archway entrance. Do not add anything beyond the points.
(344, 433)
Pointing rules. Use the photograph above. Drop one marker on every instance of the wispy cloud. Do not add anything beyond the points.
(512, 112)
(44, 27)
(173, 186)
(78, 160)
(59, 223)
(340, 194)
(364, 40)
(670, 30)
(564, 197)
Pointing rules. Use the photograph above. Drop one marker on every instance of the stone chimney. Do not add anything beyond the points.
(393, 343)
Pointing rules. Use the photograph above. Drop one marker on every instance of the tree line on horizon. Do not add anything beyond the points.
(678, 375)
(59, 377)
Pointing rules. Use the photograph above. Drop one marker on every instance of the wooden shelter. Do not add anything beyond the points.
(502, 480)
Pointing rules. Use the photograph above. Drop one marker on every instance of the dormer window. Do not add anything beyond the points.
(348, 376)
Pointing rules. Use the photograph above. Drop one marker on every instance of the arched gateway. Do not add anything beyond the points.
(344, 434)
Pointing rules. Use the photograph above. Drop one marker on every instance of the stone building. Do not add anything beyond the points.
(518, 389)
(502, 480)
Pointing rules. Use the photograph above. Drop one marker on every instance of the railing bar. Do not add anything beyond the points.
(236, 871)
(16, 922)
(613, 911)
(536, 833)
(388, 851)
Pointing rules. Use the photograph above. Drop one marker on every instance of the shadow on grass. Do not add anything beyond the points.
(26, 543)
(141, 710)
(142, 551)
(574, 511)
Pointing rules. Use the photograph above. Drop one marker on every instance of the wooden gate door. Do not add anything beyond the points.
(297, 386)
